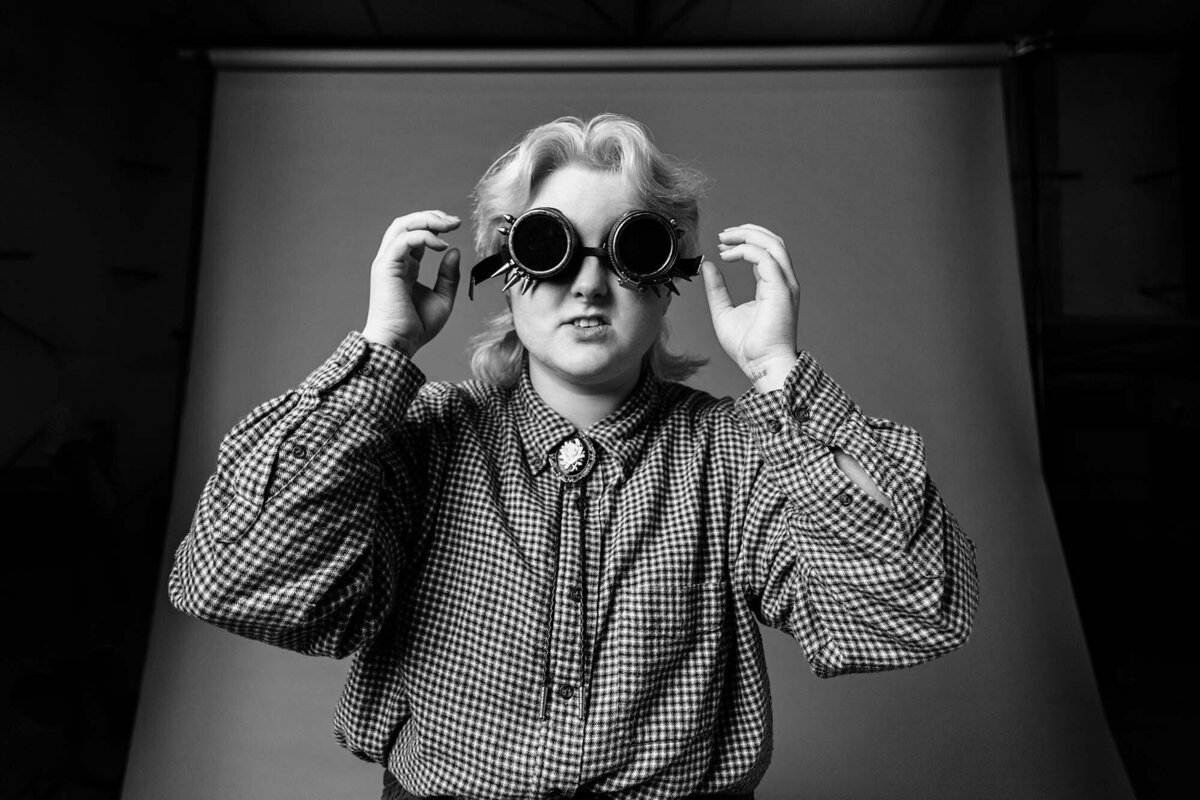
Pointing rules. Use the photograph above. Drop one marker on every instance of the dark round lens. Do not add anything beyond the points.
(644, 245)
(539, 242)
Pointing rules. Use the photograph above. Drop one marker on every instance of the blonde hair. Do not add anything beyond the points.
(609, 142)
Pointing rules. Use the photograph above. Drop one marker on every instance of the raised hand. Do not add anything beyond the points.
(405, 314)
(760, 334)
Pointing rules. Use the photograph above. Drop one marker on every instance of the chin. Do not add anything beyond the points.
(586, 371)
(594, 371)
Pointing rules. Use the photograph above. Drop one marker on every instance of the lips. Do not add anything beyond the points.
(588, 321)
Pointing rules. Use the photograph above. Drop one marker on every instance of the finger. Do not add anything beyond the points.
(716, 290)
(766, 269)
(448, 274)
(761, 237)
(426, 219)
(761, 229)
(434, 220)
(750, 253)
(411, 243)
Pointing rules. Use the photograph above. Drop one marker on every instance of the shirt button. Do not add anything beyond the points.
(299, 451)
(577, 595)
(775, 426)
(566, 691)
(845, 498)
(366, 371)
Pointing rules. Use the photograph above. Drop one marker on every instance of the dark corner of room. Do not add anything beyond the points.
(105, 121)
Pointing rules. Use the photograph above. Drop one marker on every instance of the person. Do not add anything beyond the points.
(552, 576)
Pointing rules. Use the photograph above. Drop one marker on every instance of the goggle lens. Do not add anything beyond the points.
(643, 246)
(540, 243)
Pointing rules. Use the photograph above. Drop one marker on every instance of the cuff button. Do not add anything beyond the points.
(845, 499)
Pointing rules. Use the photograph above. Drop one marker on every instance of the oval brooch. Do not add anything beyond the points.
(573, 459)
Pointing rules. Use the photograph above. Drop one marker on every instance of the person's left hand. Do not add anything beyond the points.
(760, 334)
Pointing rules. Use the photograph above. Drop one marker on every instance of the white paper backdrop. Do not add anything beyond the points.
(891, 189)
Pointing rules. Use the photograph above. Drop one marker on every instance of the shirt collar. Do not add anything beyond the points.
(621, 434)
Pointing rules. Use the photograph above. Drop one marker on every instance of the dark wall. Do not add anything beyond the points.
(1106, 173)
(100, 140)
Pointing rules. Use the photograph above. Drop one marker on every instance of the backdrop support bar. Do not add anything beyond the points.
(609, 59)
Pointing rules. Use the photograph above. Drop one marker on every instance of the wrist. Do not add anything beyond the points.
(376, 335)
(769, 373)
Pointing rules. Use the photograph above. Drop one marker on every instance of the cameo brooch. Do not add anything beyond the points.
(573, 459)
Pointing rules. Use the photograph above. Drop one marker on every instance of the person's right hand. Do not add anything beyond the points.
(403, 314)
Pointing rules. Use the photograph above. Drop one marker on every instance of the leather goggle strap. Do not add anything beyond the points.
(490, 267)
(686, 268)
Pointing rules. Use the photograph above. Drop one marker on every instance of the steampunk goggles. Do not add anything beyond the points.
(642, 248)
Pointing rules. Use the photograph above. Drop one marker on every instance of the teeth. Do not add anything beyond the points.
(587, 323)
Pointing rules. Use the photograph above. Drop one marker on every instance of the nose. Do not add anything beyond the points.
(591, 281)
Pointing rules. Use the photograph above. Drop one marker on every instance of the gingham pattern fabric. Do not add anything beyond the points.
(517, 635)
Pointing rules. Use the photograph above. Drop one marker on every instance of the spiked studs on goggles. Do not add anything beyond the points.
(642, 249)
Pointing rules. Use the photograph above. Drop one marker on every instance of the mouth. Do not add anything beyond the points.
(588, 321)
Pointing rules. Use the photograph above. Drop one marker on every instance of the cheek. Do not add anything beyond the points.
(650, 315)
(529, 316)
(520, 320)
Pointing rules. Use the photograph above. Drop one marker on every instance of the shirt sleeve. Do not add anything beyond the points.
(861, 586)
(293, 541)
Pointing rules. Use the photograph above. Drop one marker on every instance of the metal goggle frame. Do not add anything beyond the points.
(642, 248)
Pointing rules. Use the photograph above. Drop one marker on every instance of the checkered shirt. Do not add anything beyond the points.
(517, 635)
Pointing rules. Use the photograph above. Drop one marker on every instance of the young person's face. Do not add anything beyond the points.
(621, 324)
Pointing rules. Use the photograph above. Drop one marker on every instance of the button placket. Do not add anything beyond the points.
(566, 634)
(563, 687)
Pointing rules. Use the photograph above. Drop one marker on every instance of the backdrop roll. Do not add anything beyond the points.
(890, 186)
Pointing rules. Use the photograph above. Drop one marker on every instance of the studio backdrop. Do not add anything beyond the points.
(886, 173)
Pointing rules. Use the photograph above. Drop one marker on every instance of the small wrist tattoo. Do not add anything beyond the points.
(755, 377)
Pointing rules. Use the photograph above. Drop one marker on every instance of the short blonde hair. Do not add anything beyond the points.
(609, 142)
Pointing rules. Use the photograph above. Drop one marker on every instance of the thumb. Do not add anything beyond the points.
(715, 290)
(448, 275)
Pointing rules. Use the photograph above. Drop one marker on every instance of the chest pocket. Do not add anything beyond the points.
(661, 679)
